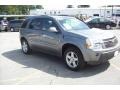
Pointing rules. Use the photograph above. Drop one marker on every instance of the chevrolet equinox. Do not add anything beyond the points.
(69, 38)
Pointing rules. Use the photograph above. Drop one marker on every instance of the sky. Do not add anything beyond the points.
(52, 4)
(60, 4)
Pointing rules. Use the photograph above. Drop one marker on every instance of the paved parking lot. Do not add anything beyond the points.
(38, 68)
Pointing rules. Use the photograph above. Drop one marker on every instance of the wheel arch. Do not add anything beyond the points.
(22, 38)
(68, 45)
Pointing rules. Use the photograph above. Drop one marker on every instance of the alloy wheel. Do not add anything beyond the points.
(72, 59)
(24, 46)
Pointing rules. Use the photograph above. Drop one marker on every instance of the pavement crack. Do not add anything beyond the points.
(56, 72)
(51, 82)
(56, 75)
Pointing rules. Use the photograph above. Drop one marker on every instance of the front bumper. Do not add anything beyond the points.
(97, 57)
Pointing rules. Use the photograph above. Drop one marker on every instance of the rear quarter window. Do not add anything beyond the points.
(24, 24)
(15, 21)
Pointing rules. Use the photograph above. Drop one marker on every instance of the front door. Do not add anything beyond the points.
(51, 40)
(95, 23)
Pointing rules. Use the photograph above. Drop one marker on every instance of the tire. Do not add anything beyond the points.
(12, 29)
(73, 59)
(6, 30)
(108, 27)
(25, 47)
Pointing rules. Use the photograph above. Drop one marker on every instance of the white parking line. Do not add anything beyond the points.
(20, 80)
(26, 78)
(115, 66)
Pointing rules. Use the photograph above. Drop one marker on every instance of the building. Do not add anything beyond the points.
(109, 11)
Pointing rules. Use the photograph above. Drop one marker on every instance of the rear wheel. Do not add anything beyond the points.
(108, 27)
(6, 29)
(25, 47)
(74, 59)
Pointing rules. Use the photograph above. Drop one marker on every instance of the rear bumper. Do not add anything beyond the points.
(3, 28)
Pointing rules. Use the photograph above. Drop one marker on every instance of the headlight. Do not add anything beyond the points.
(98, 46)
(92, 45)
(88, 43)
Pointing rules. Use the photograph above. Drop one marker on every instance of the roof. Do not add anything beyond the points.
(94, 18)
(55, 17)
(17, 20)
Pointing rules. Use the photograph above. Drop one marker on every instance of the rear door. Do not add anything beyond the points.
(34, 33)
(103, 23)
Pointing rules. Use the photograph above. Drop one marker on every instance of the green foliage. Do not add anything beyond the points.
(18, 9)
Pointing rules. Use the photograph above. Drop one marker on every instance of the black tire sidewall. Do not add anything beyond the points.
(81, 62)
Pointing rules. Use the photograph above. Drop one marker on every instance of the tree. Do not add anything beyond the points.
(3, 9)
(39, 7)
(18, 9)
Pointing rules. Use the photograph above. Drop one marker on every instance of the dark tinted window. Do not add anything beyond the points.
(95, 14)
(49, 23)
(95, 20)
(17, 21)
(103, 20)
(36, 24)
(25, 23)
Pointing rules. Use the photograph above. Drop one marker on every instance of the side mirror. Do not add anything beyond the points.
(53, 29)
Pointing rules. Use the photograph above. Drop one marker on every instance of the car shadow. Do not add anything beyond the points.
(52, 65)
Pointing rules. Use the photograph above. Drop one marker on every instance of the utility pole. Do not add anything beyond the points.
(112, 11)
(105, 11)
(100, 11)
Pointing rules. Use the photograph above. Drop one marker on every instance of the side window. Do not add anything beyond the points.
(48, 23)
(95, 20)
(36, 24)
(102, 20)
(106, 20)
(24, 24)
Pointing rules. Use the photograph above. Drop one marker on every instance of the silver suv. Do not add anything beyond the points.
(69, 38)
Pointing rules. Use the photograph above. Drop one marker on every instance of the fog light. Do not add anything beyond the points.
(97, 54)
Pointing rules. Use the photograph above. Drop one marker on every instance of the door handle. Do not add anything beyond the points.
(46, 36)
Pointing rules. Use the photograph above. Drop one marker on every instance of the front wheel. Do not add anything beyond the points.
(74, 59)
(12, 29)
(25, 47)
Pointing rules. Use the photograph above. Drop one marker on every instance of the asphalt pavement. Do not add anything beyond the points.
(38, 68)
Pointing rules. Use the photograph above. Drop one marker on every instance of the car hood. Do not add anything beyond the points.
(94, 33)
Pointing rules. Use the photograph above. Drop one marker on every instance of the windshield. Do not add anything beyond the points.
(73, 24)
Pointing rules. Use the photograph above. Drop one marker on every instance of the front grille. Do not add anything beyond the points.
(111, 42)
